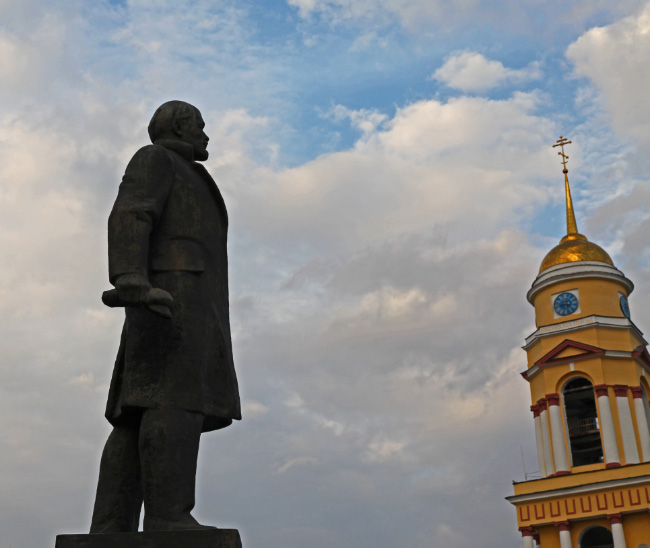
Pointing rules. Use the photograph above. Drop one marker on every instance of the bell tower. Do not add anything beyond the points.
(588, 371)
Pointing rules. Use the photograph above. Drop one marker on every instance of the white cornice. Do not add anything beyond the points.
(618, 354)
(588, 488)
(575, 271)
(582, 323)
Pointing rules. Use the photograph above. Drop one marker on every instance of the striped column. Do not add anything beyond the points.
(612, 460)
(641, 422)
(627, 428)
(557, 434)
(527, 537)
(564, 527)
(539, 439)
(616, 521)
(546, 437)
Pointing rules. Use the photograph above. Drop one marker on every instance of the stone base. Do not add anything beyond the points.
(206, 538)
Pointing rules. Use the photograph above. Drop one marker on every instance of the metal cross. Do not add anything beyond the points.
(560, 143)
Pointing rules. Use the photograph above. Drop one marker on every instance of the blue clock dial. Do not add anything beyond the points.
(565, 304)
(625, 307)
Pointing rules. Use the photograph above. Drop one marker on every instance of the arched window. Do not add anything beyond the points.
(582, 422)
(596, 537)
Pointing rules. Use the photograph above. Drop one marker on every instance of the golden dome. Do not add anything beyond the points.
(575, 247)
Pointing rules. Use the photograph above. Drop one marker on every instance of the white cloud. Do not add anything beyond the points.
(426, 16)
(472, 72)
(253, 409)
(433, 164)
(27, 59)
(365, 120)
(305, 7)
(616, 59)
(298, 461)
(383, 449)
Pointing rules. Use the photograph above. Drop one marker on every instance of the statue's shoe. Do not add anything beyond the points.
(183, 523)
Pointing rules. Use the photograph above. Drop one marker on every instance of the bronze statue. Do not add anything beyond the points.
(174, 376)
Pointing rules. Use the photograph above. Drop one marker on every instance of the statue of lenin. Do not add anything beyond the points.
(174, 376)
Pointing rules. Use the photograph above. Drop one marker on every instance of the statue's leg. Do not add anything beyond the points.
(169, 447)
(119, 491)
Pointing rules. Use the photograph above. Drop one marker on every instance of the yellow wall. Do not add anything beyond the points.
(549, 537)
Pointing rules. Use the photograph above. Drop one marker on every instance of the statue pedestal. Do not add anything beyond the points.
(205, 538)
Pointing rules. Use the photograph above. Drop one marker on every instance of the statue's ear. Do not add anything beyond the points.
(177, 127)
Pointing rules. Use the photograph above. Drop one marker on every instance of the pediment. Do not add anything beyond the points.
(568, 351)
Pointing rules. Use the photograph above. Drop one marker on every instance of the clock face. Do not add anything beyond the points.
(565, 304)
(625, 307)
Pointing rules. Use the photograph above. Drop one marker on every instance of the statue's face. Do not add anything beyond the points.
(193, 134)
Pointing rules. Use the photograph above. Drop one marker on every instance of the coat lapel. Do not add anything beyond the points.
(213, 188)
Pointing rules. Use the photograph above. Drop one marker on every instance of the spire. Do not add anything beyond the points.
(574, 246)
(571, 225)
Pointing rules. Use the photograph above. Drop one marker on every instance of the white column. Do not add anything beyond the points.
(546, 438)
(627, 428)
(641, 422)
(565, 539)
(527, 537)
(539, 439)
(607, 427)
(557, 433)
(617, 530)
(565, 534)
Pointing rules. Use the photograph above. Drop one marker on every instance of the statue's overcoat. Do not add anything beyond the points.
(169, 223)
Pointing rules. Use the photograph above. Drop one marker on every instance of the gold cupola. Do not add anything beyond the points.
(574, 246)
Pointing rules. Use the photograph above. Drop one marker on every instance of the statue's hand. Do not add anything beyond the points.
(135, 290)
(160, 302)
(132, 289)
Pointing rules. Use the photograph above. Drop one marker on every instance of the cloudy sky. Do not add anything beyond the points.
(392, 191)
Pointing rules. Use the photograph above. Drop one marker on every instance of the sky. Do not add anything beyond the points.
(392, 189)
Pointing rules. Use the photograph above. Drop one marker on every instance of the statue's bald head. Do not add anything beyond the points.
(167, 116)
(180, 121)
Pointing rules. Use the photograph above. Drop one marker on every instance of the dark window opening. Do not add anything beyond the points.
(582, 422)
(597, 537)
